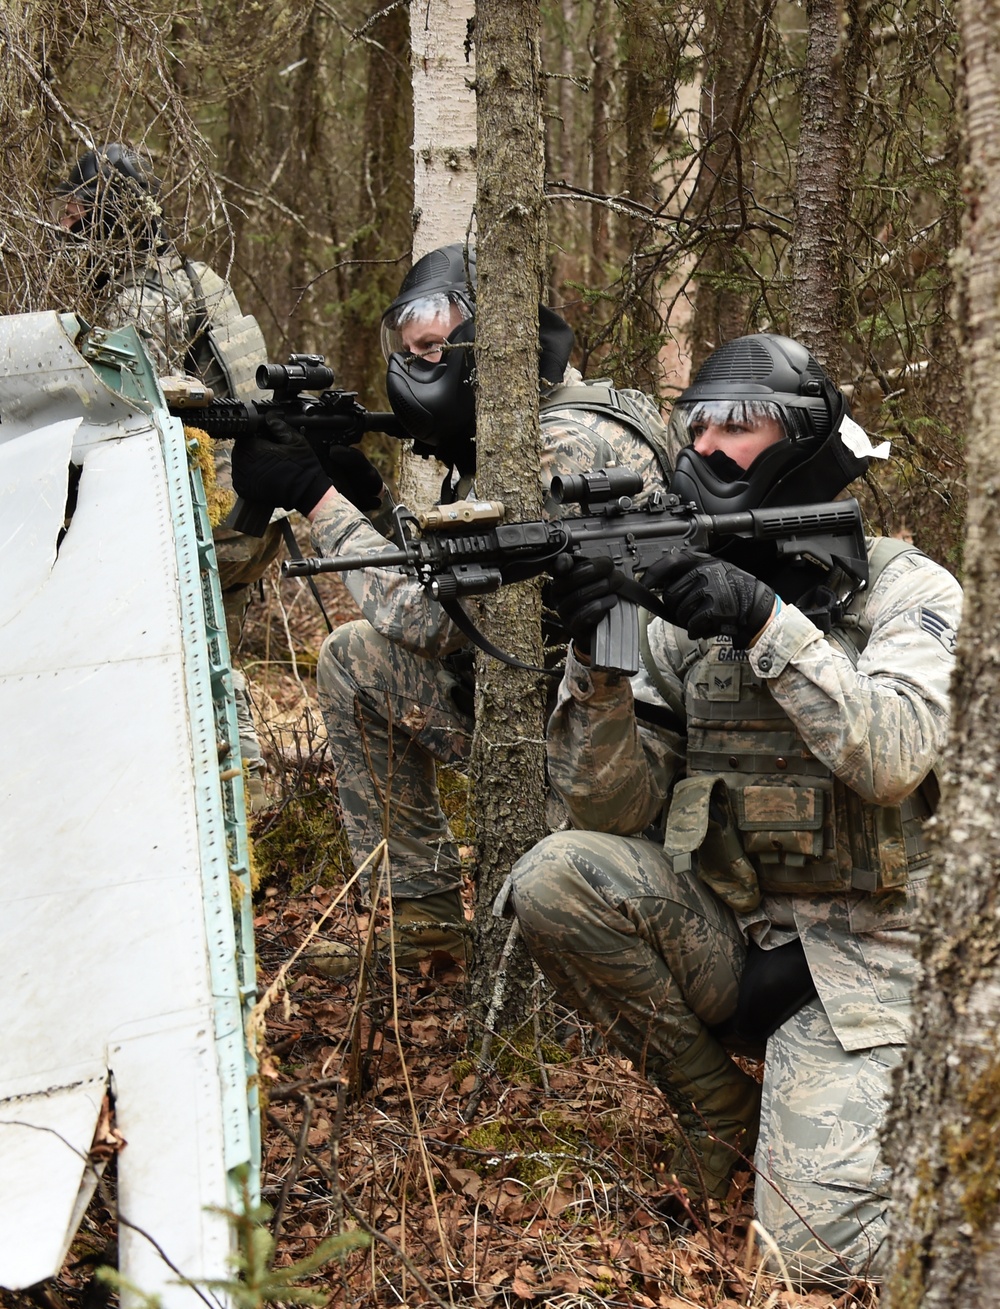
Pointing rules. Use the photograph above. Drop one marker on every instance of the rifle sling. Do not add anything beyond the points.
(296, 553)
(655, 715)
(468, 628)
(631, 590)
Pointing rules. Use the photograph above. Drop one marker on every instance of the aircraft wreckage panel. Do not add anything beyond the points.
(117, 947)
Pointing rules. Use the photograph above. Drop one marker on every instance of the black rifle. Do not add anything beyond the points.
(331, 418)
(467, 549)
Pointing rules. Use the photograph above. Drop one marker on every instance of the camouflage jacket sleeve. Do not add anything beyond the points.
(612, 774)
(394, 603)
(878, 725)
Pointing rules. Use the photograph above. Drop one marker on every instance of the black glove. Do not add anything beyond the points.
(710, 597)
(354, 476)
(281, 471)
(582, 593)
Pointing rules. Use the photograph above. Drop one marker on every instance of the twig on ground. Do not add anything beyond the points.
(292, 1175)
(499, 990)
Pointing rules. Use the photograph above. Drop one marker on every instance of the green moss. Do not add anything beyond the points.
(532, 1154)
(304, 843)
(201, 451)
(460, 1070)
(519, 1062)
(906, 1284)
(456, 801)
(973, 1156)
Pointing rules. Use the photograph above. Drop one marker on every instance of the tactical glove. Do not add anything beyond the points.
(281, 470)
(582, 593)
(354, 476)
(711, 597)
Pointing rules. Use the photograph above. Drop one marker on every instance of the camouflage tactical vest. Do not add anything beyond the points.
(758, 811)
(227, 344)
(633, 409)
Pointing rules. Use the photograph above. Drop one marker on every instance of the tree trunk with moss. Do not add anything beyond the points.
(944, 1130)
(508, 752)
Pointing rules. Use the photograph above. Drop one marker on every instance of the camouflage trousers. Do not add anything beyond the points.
(242, 561)
(650, 956)
(390, 716)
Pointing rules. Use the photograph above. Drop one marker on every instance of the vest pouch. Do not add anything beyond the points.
(702, 836)
(783, 827)
(887, 853)
(782, 824)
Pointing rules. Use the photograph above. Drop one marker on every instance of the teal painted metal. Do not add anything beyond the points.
(120, 360)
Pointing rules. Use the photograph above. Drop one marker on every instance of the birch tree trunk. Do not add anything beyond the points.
(508, 751)
(444, 161)
(944, 1129)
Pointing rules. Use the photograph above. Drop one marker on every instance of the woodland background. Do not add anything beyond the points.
(711, 168)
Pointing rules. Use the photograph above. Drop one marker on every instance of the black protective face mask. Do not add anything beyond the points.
(724, 468)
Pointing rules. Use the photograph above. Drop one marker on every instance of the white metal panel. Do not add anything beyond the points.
(33, 480)
(45, 379)
(50, 1130)
(103, 949)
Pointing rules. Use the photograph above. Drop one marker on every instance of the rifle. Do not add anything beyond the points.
(331, 418)
(466, 548)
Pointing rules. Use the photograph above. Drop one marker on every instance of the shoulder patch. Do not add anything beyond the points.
(938, 627)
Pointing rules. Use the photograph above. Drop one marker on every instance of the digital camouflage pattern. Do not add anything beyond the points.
(390, 714)
(191, 322)
(818, 1151)
(603, 915)
(391, 706)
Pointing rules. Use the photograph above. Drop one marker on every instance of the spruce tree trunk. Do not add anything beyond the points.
(508, 751)
(385, 204)
(944, 1128)
(600, 152)
(645, 92)
(732, 48)
(821, 194)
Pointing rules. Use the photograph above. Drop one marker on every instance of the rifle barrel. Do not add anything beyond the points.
(343, 563)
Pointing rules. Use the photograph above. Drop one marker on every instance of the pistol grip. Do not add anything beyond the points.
(616, 641)
(248, 517)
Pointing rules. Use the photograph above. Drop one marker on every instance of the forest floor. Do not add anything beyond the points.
(552, 1192)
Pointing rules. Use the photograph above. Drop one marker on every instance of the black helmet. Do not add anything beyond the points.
(449, 272)
(118, 193)
(435, 400)
(769, 374)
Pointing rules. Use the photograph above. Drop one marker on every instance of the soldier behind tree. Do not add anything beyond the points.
(396, 687)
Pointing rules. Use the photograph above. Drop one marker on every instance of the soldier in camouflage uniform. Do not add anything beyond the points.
(395, 687)
(190, 322)
(777, 913)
